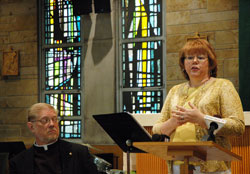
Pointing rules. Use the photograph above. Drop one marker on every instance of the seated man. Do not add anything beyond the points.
(49, 154)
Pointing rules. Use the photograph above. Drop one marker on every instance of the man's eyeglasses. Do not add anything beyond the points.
(199, 58)
(47, 120)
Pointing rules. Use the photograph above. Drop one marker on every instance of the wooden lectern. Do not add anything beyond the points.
(188, 151)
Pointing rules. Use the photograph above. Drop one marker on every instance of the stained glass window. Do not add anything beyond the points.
(68, 105)
(63, 68)
(61, 26)
(70, 129)
(142, 56)
(62, 64)
(142, 64)
(142, 101)
(141, 18)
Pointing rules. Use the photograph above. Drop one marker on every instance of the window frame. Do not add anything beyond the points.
(41, 68)
(119, 86)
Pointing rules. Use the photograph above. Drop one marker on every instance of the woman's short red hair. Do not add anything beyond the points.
(198, 46)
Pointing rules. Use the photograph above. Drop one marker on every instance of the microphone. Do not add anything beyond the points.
(160, 137)
(212, 128)
(214, 124)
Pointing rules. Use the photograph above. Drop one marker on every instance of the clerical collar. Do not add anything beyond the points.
(45, 146)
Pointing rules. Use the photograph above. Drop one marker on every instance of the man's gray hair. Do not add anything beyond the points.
(35, 110)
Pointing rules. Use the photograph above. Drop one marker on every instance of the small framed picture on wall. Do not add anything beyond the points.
(10, 63)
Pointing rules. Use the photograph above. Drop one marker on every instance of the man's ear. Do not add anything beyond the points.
(30, 126)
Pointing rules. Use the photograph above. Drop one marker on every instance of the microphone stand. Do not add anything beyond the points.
(129, 145)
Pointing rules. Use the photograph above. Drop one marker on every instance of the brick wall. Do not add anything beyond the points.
(18, 30)
(218, 19)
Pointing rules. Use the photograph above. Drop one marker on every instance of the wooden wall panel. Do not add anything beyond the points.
(148, 163)
(241, 146)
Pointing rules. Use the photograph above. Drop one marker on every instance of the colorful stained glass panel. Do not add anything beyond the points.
(142, 101)
(63, 68)
(61, 26)
(67, 104)
(70, 129)
(142, 64)
(141, 18)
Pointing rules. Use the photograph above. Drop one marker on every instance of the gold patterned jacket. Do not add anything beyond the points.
(216, 97)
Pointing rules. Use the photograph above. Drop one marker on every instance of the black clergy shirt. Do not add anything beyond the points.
(47, 159)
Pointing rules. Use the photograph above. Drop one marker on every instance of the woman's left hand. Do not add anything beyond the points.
(192, 115)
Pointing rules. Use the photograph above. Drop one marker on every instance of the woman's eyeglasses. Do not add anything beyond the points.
(199, 58)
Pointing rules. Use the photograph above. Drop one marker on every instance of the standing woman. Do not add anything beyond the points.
(203, 94)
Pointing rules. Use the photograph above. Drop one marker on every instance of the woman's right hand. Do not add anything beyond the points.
(169, 126)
